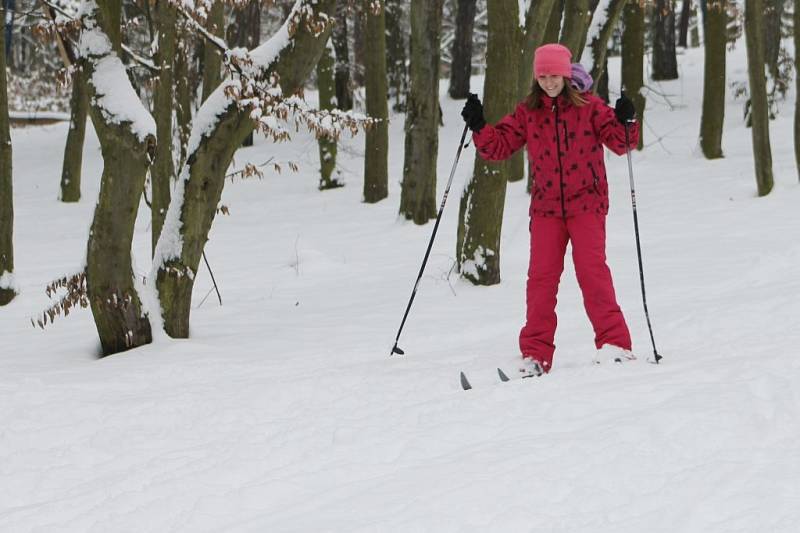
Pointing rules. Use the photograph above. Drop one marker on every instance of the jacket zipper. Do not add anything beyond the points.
(596, 180)
(560, 168)
(566, 135)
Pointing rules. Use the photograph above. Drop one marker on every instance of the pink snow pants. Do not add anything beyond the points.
(549, 237)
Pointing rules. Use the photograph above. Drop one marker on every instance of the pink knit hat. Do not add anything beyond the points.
(553, 59)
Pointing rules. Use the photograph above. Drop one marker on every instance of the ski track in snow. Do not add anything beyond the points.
(283, 412)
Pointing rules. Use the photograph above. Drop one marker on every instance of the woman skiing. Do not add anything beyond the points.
(564, 128)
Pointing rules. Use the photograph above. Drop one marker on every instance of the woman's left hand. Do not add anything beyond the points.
(624, 109)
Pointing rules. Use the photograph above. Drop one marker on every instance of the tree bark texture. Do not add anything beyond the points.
(204, 176)
(599, 44)
(759, 107)
(344, 91)
(418, 195)
(633, 59)
(773, 15)
(183, 91)
(577, 15)
(327, 97)
(461, 66)
(376, 153)
(553, 30)
(212, 60)
(6, 188)
(482, 202)
(245, 32)
(683, 30)
(163, 169)
(117, 310)
(796, 20)
(396, 53)
(713, 114)
(73, 150)
(665, 60)
(359, 44)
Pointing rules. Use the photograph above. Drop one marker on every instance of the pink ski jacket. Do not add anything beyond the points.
(565, 149)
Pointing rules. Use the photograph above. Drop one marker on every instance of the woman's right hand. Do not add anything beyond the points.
(472, 113)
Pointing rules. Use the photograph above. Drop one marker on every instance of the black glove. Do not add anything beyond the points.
(624, 109)
(473, 113)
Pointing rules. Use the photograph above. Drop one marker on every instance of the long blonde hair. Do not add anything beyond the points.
(534, 99)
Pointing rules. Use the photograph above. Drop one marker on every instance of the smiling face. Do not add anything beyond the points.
(551, 84)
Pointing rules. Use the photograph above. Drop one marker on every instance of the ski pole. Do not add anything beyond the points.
(638, 245)
(395, 348)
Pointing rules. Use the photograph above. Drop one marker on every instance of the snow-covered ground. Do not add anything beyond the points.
(283, 412)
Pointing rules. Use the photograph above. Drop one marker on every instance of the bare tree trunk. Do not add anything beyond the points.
(461, 66)
(376, 153)
(204, 175)
(713, 117)
(599, 44)
(246, 33)
(633, 59)
(686, 15)
(418, 196)
(327, 96)
(163, 169)
(665, 60)
(7, 286)
(73, 150)
(212, 60)
(396, 53)
(577, 15)
(773, 14)
(344, 92)
(796, 20)
(127, 150)
(79, 107)
(183, 89)
(554, 23)
(480, 217)
(359, 44)
(759, 108)
(601, 84)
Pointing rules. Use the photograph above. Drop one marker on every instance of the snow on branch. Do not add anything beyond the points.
(254, 87)
(114, 96)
